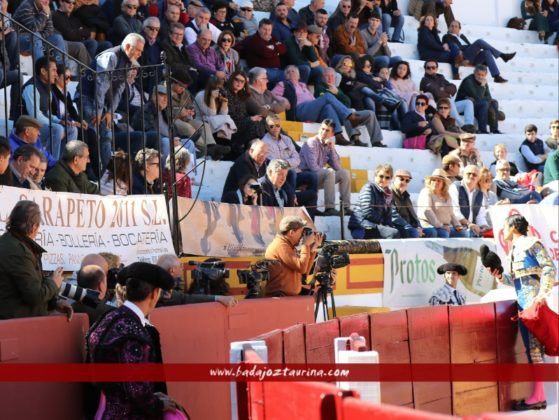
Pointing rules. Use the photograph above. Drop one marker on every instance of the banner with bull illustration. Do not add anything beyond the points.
(230, 230)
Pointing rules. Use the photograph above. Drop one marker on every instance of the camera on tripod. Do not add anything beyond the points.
(327, 260)
(254, 276)
(208, 278)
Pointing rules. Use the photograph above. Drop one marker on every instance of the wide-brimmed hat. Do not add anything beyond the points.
(439, 174)
(459, 268)
(150, 273)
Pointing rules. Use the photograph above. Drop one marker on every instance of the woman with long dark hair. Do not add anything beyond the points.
(248, 127)
(245, 193)
(116, 178)
(533, 275)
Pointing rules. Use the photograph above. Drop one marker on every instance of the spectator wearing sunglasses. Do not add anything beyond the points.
(467, 202)
(246, 18)
(229, 56)
(125, 23)
(404, 207)
(415, 122)
(373, 217)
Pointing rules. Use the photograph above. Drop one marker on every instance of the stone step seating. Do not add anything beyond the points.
(474, 32)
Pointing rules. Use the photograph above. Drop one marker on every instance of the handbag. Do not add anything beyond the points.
(543, 323)
(415, 142)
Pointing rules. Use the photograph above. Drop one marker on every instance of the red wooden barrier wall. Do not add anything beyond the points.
(472, 340)
(202, 333)
(50, 339)
(389, 337)
(430, 343)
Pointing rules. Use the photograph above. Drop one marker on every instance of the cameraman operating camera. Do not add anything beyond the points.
(285, 277)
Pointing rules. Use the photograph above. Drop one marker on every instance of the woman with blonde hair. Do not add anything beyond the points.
(182, 181)
(435, 210)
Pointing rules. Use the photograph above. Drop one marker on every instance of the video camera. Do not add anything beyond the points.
(254, 276)
(329, 257)
(206, 274)
(88, 297)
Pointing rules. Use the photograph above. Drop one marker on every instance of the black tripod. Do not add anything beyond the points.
(325, 289)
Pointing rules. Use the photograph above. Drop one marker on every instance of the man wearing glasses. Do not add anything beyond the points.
(437, 85)
(125, 23)
(404, 206)
(177, 56)
(467, 201)
(509, 189)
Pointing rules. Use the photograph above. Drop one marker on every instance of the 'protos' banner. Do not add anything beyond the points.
(410, 269)
(136, 228)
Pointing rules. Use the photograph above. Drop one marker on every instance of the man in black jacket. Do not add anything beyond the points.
(278, 193)
(176, 54)
(253, 162)
(480, 52)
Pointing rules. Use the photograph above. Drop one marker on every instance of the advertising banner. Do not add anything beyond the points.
(544, 224)
(230, 230)
(136, 228)
(410, 269)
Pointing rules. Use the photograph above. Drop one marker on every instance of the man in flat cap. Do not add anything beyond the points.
(27, 130)
(448, 294)
(285, 277)
(125, 335)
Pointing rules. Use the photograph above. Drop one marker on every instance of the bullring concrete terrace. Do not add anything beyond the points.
(530, 96)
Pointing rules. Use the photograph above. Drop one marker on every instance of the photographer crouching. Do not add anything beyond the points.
(285, 277)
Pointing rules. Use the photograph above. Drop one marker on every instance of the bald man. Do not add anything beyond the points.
(95, 259)
(171, 264)
(93, 276)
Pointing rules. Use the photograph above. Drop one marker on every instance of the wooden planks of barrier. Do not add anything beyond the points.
(430, 343)
(359, 324)
(389, 337)
(299, 400)
(274, 344)
(510, 349)
(48, 339)
(294, 344)
(354, 409)
(472, 340)
(319, 341)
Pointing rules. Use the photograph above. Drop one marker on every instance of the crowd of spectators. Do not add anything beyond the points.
(228, 77)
